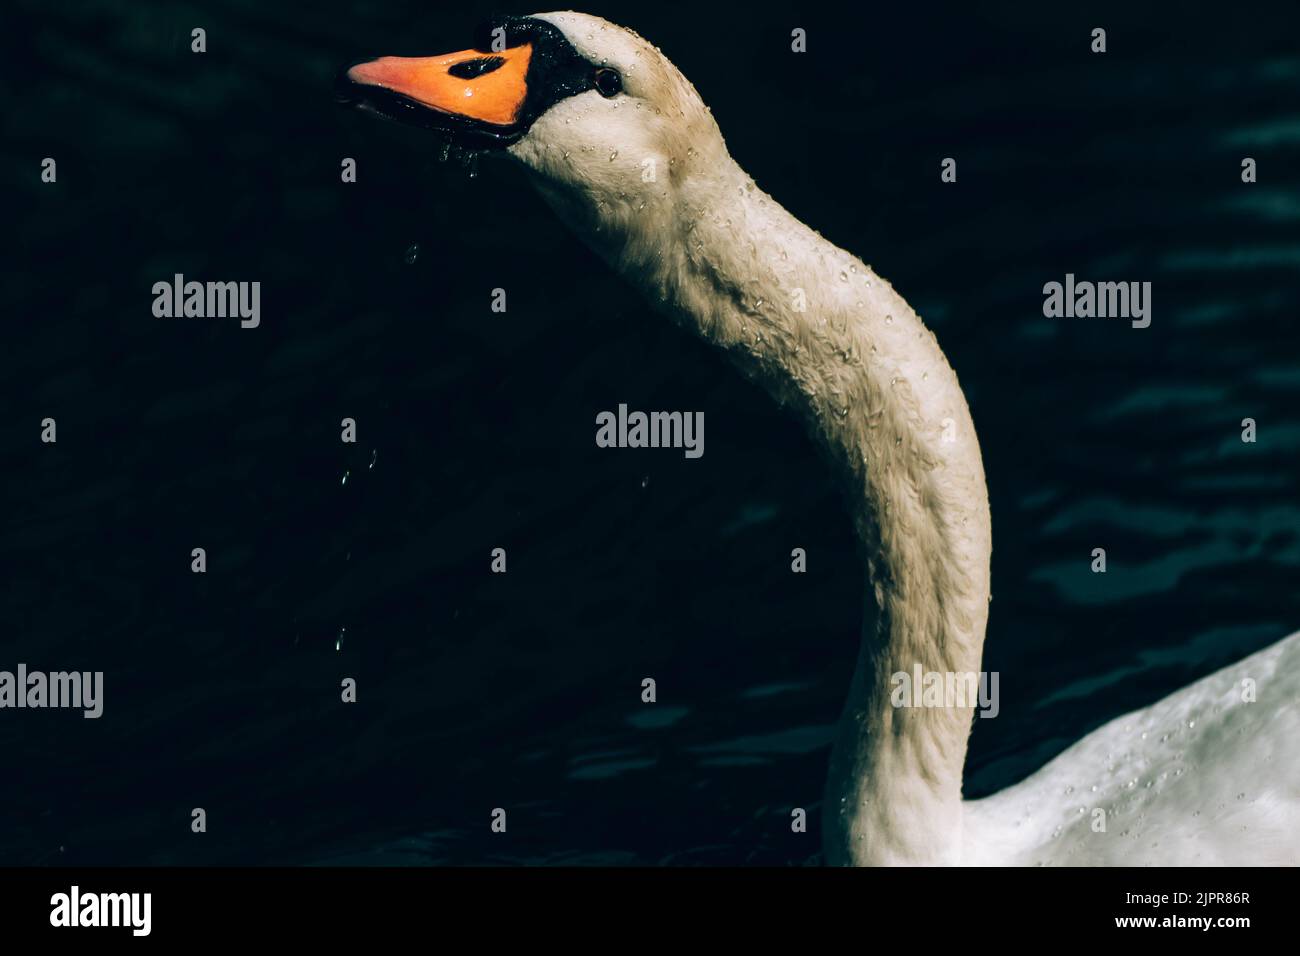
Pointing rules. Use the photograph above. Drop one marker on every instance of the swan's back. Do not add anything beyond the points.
(1205, 777)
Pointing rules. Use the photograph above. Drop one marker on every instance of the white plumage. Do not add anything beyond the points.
(1205, 776)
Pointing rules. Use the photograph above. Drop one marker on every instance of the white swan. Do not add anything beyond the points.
(623, 148)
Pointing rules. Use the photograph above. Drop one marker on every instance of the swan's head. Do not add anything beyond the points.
(610, 128)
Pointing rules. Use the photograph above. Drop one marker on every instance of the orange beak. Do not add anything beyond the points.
(473, 85)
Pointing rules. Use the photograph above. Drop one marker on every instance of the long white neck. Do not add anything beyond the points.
(829, 338)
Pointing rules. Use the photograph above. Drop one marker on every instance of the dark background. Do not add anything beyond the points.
(522, 691)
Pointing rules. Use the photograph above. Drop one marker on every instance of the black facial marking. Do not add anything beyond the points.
(556, 70)
(470, 69)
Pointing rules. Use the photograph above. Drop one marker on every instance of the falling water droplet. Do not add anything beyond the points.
(374, 454)
(645, 482)
(338, 643)
(412, 253)
(345, 478)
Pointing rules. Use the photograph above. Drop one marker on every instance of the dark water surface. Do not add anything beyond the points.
(476, 428)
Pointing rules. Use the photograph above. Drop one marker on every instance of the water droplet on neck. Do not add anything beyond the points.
(613, 156)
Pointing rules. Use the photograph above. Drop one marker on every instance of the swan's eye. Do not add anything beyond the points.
(609, 82)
